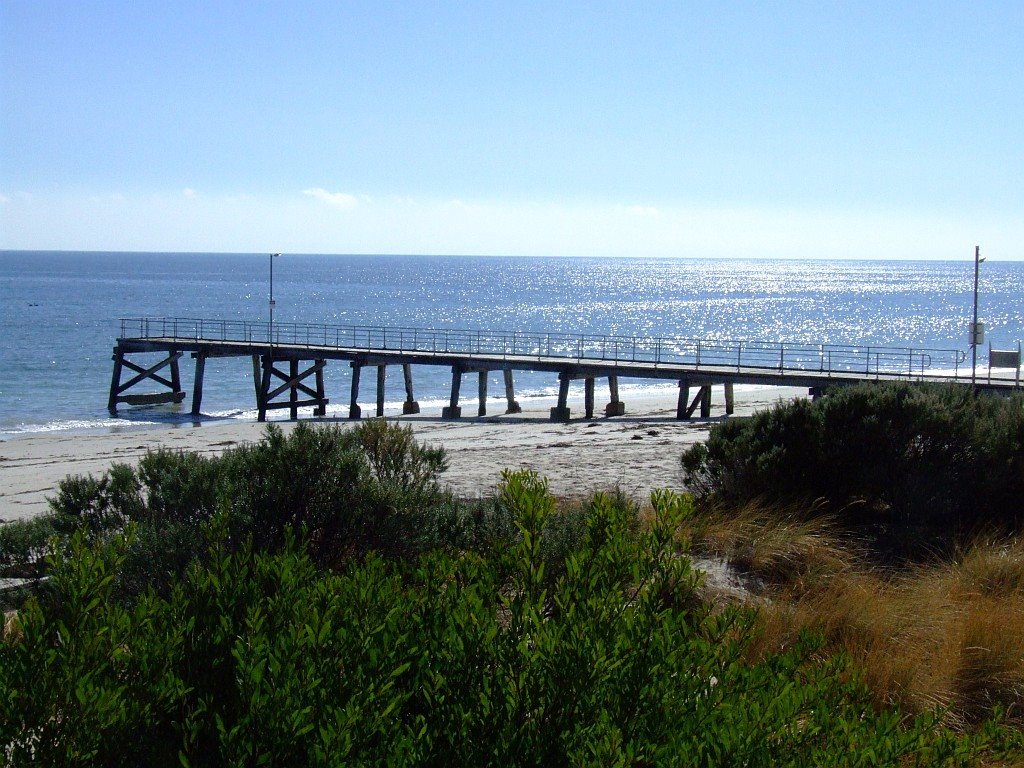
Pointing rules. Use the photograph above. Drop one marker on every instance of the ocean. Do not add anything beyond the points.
(60, 311)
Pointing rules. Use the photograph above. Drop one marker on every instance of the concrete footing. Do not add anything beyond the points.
(560, 414)
(451, 412)
(410, 407)
(618, 408)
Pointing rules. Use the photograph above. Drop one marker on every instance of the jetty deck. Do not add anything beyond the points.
(289, 359)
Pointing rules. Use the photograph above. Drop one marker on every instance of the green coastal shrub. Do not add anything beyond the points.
(262, 658)
(345, 491)
(921, 459)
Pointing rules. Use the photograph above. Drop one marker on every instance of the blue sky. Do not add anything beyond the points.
(870, 129)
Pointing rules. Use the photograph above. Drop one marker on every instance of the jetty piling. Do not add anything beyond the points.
(410, 406)
(452, 410)
(354, 411)
(197, 386)
(510, 394)
(481, 392)
(615, 406)
(561, 411)
(381, 374)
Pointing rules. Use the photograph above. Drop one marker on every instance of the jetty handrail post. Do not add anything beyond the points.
(698, 353)
(739, 355)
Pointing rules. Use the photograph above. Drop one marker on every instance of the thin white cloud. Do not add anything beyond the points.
(188, 192)
(341, 200)
(4, 199)
(394, 224)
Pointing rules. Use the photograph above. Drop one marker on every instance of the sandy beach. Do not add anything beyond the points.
(636, 452)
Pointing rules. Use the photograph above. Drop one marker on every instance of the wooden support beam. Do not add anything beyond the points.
(410, 405)
(115, 381)
(705, 402)
(150, 373)
(292, 385)
(321, 391)
(561, 411)
(615, 407)
(730, 398)
(293, 392)
(684, 396)
(588, 397)
(118, 389)
(354, 411)
(159, 398)
(510, 394)
(262, 396)
(175, 374)
(481, 392)
(381, 375)
(452, 410)
(288, 404)
(697, 400)
(197, 386)
(295, 380)
(257, 377)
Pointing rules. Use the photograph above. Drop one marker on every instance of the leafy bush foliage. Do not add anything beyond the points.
(923, 459)
(345, 492)
(260, 657)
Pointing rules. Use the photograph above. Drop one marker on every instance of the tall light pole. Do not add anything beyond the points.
(977, 331)
(272, 257)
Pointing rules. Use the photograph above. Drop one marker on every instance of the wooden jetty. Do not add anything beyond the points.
(288, 362)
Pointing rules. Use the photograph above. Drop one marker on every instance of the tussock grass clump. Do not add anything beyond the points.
(948, 635)
(779, 545)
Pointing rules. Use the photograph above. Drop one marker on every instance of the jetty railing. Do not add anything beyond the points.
(700, 353)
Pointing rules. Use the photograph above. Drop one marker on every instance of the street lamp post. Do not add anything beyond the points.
(977, 331)
(272, 257)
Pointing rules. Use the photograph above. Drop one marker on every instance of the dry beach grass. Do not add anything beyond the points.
(948, 634)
